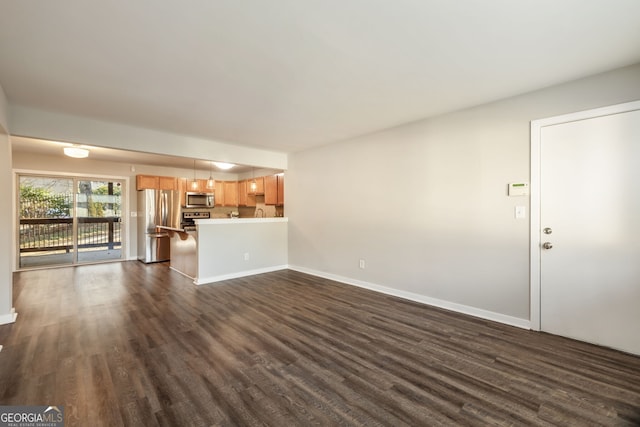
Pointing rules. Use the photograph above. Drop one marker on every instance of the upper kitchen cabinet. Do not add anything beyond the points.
(219, 192)
(280, 201)
(274, 190)
(226, 193)
(147, 182)
(244, 198)
(152, 182)
(230, 193)
(259, 190)
(167, 183)
(242, 193)
(186, 185)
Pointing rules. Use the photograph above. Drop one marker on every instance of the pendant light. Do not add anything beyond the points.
(253, 186)
(210, 182)
(194, 183)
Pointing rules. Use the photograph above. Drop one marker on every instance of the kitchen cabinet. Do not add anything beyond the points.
(251, 201)
(226, 193)
(153, 182)
(183, 185)
(274, 190)
(182, 189)
(242, 193)
(219, 193)
(230, 193)
(167, 183)
(147, 182)
(245, 198)
(280, 199)
(259, 186)
(270, 190)
(201, 186)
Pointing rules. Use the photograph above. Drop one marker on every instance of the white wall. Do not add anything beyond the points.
(223, 244)
(62, 127)
(6, 224)
(425, 204)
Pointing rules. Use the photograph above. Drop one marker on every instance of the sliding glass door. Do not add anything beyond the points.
(67, 220)
(98, 215)
(46, 221)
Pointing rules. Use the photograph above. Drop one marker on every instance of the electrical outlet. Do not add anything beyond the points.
(362, 264)
(246, 256)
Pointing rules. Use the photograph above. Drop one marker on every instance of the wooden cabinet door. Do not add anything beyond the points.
(182, 187)
(202, 186)
(167, 183)
(147, 182)
(231, 193)
(245, 197)
(219, 193)
(259, 186)
(271, 190)
(242, 193)
(280, 199)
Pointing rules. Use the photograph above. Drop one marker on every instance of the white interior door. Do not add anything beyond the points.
(590, 225)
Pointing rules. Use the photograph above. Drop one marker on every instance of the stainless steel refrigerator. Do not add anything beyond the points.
(156, 207)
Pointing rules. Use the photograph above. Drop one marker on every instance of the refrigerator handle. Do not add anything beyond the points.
(163, 208)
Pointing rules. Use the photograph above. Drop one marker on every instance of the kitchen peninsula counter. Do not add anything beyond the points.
(228, 248)
(183, 247)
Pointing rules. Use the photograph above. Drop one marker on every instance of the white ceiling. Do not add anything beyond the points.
(292, 74)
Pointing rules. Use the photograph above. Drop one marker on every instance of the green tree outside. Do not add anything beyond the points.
(42, 203)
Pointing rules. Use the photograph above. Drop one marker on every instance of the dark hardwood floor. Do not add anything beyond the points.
(134, 344)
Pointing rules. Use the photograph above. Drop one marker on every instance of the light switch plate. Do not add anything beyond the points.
(521, 212)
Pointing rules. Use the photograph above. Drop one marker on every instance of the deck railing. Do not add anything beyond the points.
(52, 234)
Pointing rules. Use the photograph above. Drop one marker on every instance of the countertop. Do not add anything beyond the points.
(179, 230)
(240, 220)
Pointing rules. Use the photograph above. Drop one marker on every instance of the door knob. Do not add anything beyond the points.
(547, 245)
(547, 231)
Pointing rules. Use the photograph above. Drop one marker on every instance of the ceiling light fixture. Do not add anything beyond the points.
(76, 152)
(194, 183)
(223, 165)
(210, 182)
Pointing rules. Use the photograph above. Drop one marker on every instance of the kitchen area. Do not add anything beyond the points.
(211, 230)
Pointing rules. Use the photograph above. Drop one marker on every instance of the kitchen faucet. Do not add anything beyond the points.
(261, 213)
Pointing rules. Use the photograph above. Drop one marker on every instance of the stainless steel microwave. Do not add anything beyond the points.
(199, 200)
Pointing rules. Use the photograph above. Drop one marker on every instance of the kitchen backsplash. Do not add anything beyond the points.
(268, 211)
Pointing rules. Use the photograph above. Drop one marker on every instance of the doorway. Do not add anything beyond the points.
(68, 220)
(585, 226)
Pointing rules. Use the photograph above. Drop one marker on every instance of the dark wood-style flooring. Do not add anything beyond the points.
(134, 344)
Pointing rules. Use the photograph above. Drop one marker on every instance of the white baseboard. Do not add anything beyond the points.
(8, 318)
(213, 279)
(460, 308)
(181, 273)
